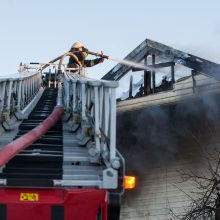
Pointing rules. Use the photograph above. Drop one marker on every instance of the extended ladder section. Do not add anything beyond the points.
(78, 151)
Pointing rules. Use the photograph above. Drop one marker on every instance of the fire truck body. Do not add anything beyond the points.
(53, 204)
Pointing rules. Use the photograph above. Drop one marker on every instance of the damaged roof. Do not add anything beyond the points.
(149, 47)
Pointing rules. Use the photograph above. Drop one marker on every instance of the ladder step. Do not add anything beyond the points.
(34, 164)
(32, 170)
(30, 175)
(30, 182)
(78, 158)
(40, 151)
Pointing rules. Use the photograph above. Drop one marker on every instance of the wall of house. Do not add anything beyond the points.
(158, 143)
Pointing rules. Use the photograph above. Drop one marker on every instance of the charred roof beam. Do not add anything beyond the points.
(169, 53)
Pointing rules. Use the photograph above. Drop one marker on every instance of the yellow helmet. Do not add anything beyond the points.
(77, 45)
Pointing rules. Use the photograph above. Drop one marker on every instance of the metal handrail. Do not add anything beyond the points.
(24, 86)
(92, 104)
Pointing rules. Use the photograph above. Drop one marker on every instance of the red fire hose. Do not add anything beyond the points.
(16, 146)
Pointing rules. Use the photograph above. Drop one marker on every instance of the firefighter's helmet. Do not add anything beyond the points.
(77, 45)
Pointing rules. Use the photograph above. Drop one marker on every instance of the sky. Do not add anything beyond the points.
(40, 30)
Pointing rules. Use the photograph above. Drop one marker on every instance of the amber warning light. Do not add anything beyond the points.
(129, 182)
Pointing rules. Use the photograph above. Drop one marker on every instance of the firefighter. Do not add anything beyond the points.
(81, 53)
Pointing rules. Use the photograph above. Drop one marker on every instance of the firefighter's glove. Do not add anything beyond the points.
(104, 56)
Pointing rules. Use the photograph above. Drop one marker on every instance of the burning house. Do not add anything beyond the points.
(168, 132)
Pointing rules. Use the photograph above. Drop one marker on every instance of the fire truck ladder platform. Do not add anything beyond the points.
(60, 157)
(47, 162)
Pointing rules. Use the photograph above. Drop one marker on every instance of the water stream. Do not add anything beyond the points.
(132, 63)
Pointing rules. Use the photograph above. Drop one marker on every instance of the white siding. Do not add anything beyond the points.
(157, 163)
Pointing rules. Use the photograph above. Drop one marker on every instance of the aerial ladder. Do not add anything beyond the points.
(63, 163)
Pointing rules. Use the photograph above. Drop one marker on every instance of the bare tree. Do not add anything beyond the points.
(205, 199)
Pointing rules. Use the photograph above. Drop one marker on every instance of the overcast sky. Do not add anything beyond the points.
(44, 29)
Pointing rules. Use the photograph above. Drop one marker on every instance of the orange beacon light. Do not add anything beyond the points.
(129, 182)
